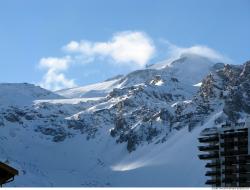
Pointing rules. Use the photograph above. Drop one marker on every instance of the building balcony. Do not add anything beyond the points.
(208, 139)
(209, 131)
(208, 148)
(213, 173)
(213, 165)
(213, 182)
(208, 156)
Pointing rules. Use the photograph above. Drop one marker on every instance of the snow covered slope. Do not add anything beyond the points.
(180, 69)
(137, 130)
(94, 90)
(189, 68)
(101, 162)
(22, 94)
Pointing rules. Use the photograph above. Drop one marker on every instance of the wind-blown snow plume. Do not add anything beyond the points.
(175, 52)
(129, 48)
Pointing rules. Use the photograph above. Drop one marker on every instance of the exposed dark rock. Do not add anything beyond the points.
(75, 124)
(1, 122)
(59, 137)
(11, 117)
(132, 141)
(29, 117)
(174, 79)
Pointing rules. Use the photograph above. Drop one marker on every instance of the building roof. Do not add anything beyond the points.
(226, 128)
(8, 169)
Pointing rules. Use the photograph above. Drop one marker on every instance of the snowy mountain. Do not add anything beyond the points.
(93, 90)
(140, 129)
(16, 94)
(181, 68)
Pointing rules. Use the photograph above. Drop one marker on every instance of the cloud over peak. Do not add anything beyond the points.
(54, 79)
(124, 48)
(129, 48)
(54, 63)
(201, 50)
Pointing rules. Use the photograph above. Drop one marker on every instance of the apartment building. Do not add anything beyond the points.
(226, 150)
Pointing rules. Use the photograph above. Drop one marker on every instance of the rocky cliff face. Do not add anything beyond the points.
(147, 107)
(237, 99)
(225, 89)
(121, 124)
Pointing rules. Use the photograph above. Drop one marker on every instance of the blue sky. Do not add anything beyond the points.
(31, 31)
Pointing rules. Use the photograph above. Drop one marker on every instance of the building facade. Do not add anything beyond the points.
(227, 152)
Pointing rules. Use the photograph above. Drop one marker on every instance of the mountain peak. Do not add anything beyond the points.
(20, 94)
(184, 58)
(193, 56)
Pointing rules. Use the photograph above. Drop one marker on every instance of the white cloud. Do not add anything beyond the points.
(124, 48)
(54, 63)
(131, 48)
(175, 51)
(54, 79)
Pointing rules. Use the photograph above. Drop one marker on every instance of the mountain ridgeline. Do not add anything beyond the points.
(145, 108)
